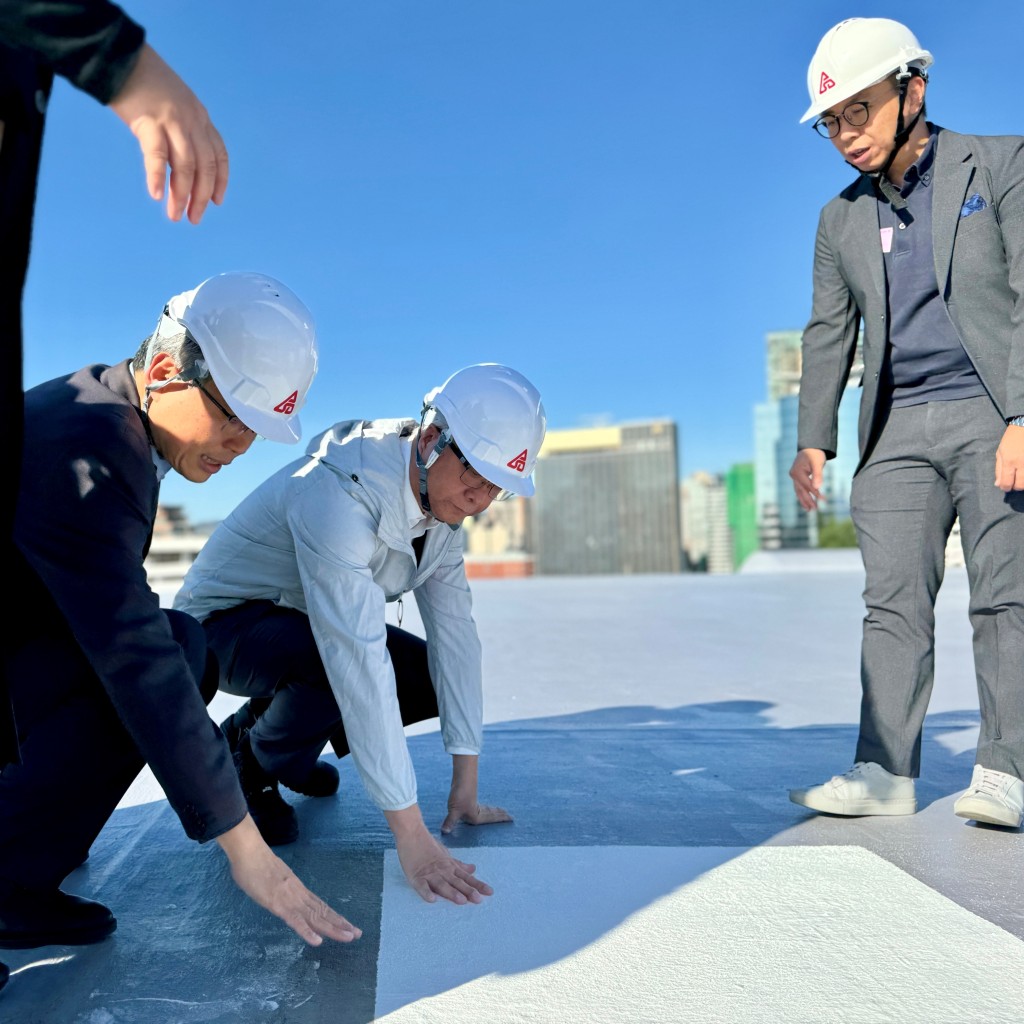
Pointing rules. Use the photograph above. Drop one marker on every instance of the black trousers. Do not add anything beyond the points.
(78, 760)
(265, 651)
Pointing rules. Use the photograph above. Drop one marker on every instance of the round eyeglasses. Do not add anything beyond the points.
(856, 115)
(232, 425)
(474, 481)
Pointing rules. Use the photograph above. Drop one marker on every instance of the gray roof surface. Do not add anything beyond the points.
(643, 731)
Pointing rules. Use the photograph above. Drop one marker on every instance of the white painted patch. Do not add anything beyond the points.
(663, 935)
(688, 771)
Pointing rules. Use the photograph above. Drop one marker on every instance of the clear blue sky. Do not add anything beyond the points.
(613, 197)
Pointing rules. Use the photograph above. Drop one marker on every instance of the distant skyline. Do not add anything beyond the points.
(615, 198)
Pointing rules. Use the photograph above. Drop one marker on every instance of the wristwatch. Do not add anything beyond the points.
(1015, 421)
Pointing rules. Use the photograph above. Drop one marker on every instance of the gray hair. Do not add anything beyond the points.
(181, 347)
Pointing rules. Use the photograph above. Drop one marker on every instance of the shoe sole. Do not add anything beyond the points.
(73, 937)
(858, 808)
(983, 813)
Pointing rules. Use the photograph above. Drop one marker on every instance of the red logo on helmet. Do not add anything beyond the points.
(826, 83)
(288, 405)
(519, 462)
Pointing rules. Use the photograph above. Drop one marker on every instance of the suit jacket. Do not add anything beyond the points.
(93, 44)
(84, 521)
(979, 267)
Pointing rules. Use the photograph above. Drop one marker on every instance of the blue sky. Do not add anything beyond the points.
(613, 197)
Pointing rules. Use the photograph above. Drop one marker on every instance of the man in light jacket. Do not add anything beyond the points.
(292, 589)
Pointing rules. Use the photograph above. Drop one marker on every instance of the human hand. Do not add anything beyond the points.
(1010, 460)
(174, 132)
(431, 870)
(268, 881)
(472, 813)
(806, 474)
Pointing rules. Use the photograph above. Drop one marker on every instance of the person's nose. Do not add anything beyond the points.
(239, 443)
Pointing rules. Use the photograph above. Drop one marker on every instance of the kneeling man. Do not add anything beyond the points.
(292, 589)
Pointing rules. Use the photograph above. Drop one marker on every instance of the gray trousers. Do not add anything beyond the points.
(932, 463)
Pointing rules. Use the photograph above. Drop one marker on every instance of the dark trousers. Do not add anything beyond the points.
(265, 651)
(78, 760)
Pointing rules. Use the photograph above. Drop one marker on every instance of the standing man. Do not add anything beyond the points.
(926, 250)
(292, 589)
(102, 680)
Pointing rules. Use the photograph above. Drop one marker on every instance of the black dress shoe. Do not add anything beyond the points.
(273, 815)
(321, 781)
(31, 918)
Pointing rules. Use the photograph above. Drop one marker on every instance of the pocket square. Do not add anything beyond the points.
(973, 205)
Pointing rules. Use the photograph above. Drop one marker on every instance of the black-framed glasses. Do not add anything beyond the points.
(474, 481)
(232, 424)
(855, 114)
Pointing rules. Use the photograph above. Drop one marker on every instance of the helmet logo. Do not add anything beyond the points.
(288, 405)
(826, 83)
(518, 463)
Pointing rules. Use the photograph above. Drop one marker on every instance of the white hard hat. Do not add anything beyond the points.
(855, 54)
(497, 420)
(259, 343)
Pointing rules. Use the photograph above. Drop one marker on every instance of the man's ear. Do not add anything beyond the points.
(161, 368)
(427, 440)
(916, 90)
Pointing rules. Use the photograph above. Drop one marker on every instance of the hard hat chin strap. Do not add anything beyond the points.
(442, 442)
(888, 189)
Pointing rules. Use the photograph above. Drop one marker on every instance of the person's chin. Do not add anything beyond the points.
(197, 473)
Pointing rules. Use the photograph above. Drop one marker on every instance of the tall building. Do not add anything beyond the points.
(782, 523)
(742, 512)
(782, 363)
(607, 500)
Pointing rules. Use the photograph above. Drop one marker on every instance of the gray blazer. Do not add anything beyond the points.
(979, 265)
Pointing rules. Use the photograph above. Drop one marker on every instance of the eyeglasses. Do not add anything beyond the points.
(232, 425)
(474, 481)
(856, 115)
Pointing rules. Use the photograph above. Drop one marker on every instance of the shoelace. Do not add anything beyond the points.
(989, 784)
(855, 773)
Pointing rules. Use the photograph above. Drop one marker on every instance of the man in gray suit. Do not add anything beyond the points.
(926, 250)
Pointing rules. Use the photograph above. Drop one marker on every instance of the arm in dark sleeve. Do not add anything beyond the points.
(91, 43)
(84, 521)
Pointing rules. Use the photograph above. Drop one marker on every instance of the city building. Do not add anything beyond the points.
(608, 500)
(781, 522)
(741, 504)
(497, 542)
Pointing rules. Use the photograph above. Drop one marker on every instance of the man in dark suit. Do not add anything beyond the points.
(925, 250)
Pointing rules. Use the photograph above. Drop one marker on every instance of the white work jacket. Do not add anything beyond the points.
(330, 535)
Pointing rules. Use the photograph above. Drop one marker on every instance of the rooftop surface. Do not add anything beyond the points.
(643, 732)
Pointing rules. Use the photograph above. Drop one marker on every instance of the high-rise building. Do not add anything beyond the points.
(742, 512)
(707, 537)
(782, 523)
(607, 500)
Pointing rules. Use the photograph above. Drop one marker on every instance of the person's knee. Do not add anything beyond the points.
(188, 633)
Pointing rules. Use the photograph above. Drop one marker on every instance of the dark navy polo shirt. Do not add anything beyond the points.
(926, 360)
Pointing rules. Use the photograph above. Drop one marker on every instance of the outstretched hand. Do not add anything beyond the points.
(432, 871)
(268, 881)
(472, 814)
(175, 133)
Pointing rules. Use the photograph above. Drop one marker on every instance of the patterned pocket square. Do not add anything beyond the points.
(973, 205)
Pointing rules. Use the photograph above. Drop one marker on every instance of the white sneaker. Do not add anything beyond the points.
(993, 797)
(867, 788)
